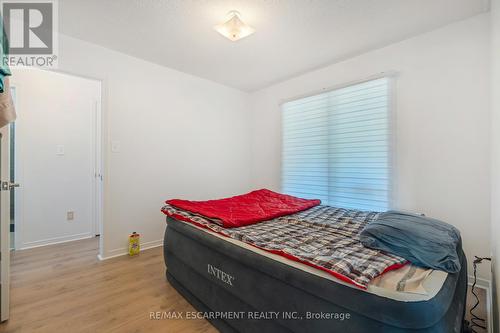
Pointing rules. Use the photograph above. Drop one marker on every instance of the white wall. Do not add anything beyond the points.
(180, 136)
(442, 124)
(495, 157)
(54, 109)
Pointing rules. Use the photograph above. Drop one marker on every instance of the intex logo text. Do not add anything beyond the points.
(219, 274)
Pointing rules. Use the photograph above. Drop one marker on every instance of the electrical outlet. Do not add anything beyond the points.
(70, 216)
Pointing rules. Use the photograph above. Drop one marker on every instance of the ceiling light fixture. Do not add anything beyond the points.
(234, 28)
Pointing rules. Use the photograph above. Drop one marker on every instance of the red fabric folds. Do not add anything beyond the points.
(246, 209)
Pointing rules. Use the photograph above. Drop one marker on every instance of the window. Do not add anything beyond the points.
(337, 146)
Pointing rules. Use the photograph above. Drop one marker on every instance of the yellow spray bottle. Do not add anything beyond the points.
(133, 244)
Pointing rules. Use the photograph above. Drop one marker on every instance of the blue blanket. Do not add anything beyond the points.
(423, 241)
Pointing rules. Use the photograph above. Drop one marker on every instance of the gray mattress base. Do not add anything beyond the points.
(217, 276)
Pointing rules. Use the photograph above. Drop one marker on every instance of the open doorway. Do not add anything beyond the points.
(56, 158)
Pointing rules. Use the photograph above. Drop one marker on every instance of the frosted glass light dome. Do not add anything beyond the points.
(234, 28)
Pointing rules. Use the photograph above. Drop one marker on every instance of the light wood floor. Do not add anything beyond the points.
(65, 288)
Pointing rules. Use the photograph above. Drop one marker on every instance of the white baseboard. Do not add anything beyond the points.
(480, 282)
(54, 240)
(124, 251)
(486, 285)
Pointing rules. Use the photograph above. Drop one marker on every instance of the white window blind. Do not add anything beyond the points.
(337, 146)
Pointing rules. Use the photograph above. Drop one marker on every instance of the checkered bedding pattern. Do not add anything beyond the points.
(323, 237)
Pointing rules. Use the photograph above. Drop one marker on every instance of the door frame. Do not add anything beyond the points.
(98, 206)
(102, 158)
(99, 133)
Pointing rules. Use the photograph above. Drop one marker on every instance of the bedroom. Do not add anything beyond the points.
(187, 113)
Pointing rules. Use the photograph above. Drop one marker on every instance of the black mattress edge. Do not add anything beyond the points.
(220, 324)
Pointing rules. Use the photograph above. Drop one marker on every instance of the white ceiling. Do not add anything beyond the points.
(292, 37)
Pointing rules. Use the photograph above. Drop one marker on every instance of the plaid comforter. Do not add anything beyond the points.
(323, 237)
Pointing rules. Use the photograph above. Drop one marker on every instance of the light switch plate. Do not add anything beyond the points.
(60, 150)
(70, 216)
(115, 146)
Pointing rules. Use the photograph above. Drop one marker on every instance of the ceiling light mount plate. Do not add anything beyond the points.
(234, 28)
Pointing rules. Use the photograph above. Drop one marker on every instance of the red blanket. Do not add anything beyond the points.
(246, 209)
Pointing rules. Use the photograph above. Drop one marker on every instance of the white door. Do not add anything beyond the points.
(5, 188)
